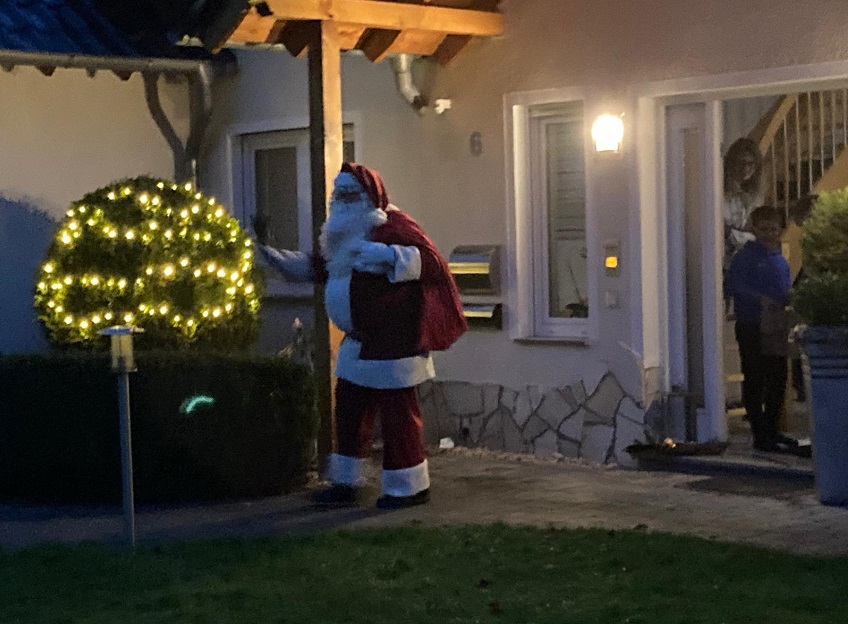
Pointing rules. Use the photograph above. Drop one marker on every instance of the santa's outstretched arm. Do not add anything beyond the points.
(295, 266)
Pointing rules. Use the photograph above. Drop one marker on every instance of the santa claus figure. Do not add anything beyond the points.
(389, 290)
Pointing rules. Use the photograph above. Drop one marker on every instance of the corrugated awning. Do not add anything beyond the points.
(76, 33)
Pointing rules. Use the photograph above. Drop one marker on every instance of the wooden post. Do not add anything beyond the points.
(325, 144)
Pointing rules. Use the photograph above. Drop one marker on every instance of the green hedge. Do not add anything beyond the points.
(59, 439)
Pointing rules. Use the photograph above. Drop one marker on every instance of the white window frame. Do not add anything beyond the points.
(528, 316)
(240, 193)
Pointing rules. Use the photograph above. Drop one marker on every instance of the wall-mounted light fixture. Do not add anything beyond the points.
(608, 134)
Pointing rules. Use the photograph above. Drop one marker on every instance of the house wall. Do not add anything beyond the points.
(586, 400)
(61, 137)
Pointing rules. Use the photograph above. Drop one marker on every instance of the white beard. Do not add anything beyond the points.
(347, 226)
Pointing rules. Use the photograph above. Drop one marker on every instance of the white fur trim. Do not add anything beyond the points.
(337, 302)
(344, 470)
(382, 374)
(406, 481)
(407, 267)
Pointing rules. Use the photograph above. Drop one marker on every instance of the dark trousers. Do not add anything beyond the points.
(764, 385)
(400, 418)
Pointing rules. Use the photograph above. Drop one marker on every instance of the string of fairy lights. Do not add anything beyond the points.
(150, 253)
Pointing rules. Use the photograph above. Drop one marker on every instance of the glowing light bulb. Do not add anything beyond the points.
(42, 286)
(211, 267)
(247, 255)
(248, 242)
(96, 319)
(196, 236)
(69, 319)
(129, 234)
(73, 225)
(221, 273)
(248, 289)
(111, 195)
(122, 283)
(70, 213)
(190, 322)
(228, 307)
(90, 222)
(59, 309)
(183, 262)
(219, 212)
(95, 281)
(153, 225)
(48, 268)
(163, 309)
(108, 316)
(128, 317)
(151, 311)
(187, 186)
(207, 237)
(68, 280)
(216, 312)
(231, 290)
(127, 191)
(169, 233)
(184, 214)
(51, 304)
(84, 324)
(197, 272)
(195, 209)
(82, 209)
(234, 276)
(168, 270)
(205, 313)
(155, 201)
(113, 234)
(144, 198)
(66, 238)
(160, 185)
(177, 318)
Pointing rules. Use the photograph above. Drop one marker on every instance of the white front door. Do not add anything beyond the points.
(695, 315)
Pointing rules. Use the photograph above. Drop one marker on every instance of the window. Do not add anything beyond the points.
(276, 183)
(550, 286)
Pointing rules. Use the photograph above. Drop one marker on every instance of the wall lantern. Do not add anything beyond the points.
(608, 134)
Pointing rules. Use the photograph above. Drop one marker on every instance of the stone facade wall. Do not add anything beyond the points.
(568, 421)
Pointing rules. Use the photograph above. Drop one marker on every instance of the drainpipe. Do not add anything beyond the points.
(402, 66)
(200, 105)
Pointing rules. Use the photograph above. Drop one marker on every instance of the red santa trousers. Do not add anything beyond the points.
(404, 457)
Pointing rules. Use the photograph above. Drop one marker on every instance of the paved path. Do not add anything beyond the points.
(472, 487)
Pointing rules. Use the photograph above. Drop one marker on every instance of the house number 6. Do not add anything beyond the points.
(475, 143)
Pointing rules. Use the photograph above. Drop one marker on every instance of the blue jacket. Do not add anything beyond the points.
(756, 271)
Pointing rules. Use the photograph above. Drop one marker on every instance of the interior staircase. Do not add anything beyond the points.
(802, 140)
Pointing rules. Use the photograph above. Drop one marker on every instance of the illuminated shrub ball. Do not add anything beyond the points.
(154, 254)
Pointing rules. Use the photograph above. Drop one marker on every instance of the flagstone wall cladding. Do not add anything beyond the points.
(567, 421)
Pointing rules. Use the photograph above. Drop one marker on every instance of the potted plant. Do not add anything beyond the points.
(821, 298)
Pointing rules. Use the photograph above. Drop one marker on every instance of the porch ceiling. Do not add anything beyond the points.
(435, 28)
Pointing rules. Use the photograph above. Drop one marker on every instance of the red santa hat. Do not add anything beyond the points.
(371, 183)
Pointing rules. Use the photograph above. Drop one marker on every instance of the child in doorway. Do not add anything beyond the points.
(759, 279)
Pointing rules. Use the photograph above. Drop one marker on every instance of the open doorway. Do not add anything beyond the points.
(801, 139)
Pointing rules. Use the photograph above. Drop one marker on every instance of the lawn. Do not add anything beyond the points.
(411, 575)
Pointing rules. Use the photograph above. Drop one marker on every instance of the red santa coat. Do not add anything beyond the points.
(403, 319)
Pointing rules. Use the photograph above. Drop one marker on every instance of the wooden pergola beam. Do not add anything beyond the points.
(391, 16)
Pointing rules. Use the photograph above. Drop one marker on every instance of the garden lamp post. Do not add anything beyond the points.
(123, 363)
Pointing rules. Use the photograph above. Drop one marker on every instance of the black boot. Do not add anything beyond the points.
(387, 501)
(336, 496)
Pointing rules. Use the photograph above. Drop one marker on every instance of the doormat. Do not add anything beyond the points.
(781, 488)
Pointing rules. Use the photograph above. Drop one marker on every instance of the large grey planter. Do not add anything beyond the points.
(827, 351)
